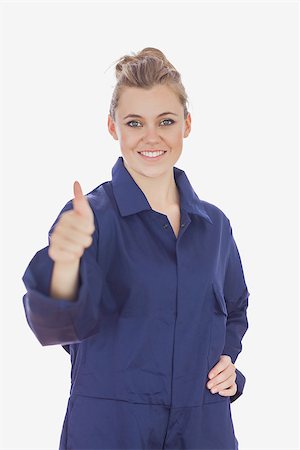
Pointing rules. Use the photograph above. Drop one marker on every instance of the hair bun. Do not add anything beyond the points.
(151, 52)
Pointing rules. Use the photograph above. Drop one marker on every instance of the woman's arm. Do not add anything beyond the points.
(59, 320)
(236, 296)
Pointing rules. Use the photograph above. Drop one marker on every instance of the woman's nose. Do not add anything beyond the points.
(152, 135)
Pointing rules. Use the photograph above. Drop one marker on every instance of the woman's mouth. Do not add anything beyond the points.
(152, 155)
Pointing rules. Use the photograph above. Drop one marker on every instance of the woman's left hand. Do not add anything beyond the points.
(222, 377)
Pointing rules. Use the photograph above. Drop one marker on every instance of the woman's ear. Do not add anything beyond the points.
(112, 127)
(187, 125)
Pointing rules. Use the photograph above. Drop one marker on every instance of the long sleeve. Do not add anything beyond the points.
(240, 382)
(236, 296)
(62, 321)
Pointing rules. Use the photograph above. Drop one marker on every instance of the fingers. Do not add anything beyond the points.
(228, 385)
(225, 373)
(77, 190)
(227, 391)
(222, 377)
(81, 224)
(224, 361)
(80, 203)
(72, 233)
(65, 254)
(69, 236)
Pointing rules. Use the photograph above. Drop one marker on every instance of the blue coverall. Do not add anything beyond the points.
(153, 315)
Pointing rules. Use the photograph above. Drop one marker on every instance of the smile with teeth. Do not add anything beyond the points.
(152, 154)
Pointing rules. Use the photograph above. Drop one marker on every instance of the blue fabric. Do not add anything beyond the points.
(153, 315)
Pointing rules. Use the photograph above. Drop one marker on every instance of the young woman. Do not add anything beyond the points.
(143, 285)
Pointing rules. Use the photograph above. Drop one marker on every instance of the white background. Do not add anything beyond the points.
(238, 62)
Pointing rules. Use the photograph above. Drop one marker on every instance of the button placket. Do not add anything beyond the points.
(165, 225)
(185, 220)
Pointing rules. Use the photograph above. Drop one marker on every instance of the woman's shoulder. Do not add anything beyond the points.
(103, 204)
(99, 197)
(216, 213)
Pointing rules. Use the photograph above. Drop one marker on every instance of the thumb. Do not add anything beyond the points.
(80, 203)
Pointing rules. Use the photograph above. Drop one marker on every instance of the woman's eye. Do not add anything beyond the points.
(136, 121)
(132, 121)
(168, 120)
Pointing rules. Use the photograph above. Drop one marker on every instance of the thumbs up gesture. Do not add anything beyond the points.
(81, 204)
(73, 232)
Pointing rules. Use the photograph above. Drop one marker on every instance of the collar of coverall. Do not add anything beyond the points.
(131, 199)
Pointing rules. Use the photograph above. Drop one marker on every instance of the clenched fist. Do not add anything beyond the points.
(73, 232)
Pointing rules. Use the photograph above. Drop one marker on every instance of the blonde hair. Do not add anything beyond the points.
(145, 69)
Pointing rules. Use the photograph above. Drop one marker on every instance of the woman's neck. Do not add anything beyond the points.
(161, 192)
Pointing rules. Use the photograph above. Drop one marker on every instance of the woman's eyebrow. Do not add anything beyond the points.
(137, 115)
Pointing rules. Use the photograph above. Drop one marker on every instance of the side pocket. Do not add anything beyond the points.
(219, 314)
(220, 298)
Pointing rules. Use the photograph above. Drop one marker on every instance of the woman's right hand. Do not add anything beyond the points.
(73, 232)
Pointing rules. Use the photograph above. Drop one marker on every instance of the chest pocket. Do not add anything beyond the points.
(218, 320)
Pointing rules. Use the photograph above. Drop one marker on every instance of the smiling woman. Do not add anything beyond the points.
(155, 323)
(149, 91)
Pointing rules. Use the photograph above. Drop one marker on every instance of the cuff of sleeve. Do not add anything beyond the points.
(52, 319)
(233, 352)
(62, 321)
(240, 381)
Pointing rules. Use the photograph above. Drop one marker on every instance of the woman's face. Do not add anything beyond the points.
(150, 120)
